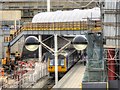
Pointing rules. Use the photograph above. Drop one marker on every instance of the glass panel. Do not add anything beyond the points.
(62, 62)
(51, 62)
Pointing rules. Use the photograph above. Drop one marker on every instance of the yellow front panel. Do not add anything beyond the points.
(60, 69)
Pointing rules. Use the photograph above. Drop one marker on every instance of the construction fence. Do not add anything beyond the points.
(24, 79)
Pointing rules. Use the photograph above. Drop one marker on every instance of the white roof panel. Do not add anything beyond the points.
(67, 16)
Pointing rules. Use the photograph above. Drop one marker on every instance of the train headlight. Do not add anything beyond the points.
(32, 43)
(80, 42)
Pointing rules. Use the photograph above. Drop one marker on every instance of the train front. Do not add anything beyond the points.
(62, 67)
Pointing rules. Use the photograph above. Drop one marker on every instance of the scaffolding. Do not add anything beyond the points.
(110, 15)
(111, 56)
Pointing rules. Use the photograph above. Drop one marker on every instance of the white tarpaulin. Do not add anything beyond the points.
(67, 16)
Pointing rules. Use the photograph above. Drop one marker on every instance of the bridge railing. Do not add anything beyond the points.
(54, 26)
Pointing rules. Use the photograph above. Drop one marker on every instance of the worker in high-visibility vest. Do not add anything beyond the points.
(2, 72)
(4, 61)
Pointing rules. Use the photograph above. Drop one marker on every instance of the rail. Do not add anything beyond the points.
(82, 25)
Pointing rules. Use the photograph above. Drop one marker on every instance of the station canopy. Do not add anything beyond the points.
(67, 16)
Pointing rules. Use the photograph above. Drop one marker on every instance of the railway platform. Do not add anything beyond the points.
(73, 78)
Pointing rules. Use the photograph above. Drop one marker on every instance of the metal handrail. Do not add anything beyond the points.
(81, 25)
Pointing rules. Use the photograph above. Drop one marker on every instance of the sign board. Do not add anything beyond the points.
(10, 15)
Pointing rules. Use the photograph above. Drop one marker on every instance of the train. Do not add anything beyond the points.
(66, 59)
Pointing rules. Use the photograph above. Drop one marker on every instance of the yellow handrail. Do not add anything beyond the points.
(54, 26)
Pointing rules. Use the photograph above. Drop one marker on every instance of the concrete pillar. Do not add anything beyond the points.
(19, 23)
(15, 24)
(1, 44)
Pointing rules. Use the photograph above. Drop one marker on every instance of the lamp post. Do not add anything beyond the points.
(32, 43)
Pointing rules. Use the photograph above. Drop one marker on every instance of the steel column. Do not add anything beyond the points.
(40, 48)
(56, 58)
(48, 5)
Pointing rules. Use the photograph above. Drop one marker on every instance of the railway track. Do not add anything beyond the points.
(49, 84)
(51, 81)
